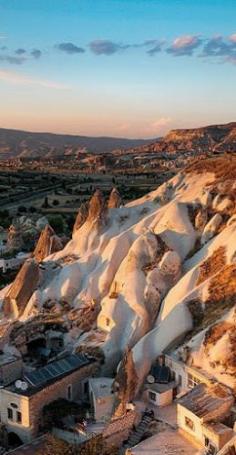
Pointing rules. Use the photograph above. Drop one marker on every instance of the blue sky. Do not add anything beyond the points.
(134, 68)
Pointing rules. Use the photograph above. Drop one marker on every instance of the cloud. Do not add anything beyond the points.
(232, 38)
(3, 48)
(161, 122)
(36, 53)
(21, 79)
(70, 48)
(20, 51)
(184, 45)
(156, 46)
(13, 60)
(218, 46)
(106, 47)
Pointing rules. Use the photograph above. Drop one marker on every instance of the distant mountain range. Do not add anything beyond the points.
(213, 138)
(16, 143)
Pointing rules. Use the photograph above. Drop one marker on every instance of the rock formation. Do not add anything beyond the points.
(81, 217)
(115, 200)
(48, 243)
(24, 232)
(15, 238)
(97, 208)
(21, 289)
(153, 278)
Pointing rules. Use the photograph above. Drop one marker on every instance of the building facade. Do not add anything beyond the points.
(22, 402)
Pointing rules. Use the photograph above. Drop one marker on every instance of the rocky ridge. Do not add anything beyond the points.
(155, 274)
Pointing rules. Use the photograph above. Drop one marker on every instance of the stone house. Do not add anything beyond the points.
(185, 376)
(102, 398)
(201, 412)
(160, 394)
(22, 402)
(10, 368)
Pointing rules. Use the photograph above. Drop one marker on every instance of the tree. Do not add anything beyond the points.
(45, 204)
(32, 209)
(22, 209)
(55, 202)
(55, 411)
(57, 222)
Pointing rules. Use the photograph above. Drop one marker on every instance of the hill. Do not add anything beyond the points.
(213, 139)
(158, 273)
(15, 143)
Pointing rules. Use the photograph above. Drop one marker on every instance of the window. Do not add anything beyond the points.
(152, 396)
(18, 417)
(14, 405)
(69, 392)
(192, 381)
(206, 441)
(189, 423)
(10, 414)
(86, 388)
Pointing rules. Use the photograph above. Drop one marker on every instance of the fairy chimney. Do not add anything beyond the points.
(47, 244)
(21, 289)
(115, 200)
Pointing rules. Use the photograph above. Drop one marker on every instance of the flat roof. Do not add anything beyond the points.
(218, 428)
(101, 387)
(167, 442)
(52, 372)
(5, 359)
(203, 400)
(161, 388)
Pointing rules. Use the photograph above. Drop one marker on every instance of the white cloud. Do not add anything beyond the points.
(160, 123)
(21, 79)
(232, 38)
(185, 45)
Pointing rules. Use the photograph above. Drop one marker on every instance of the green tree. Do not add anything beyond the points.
(57, 222)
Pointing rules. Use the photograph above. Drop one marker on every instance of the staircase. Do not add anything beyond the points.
(136, 436)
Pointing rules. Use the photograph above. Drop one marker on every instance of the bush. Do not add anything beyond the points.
(57, 222)
(55, 411)
(22, 209)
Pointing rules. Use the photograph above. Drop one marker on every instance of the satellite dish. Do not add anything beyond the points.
(24, 385)
(18, 384)
(150, 379)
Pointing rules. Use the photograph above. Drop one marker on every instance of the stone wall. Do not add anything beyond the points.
(119, 429)
(57, 390)
(31, 406)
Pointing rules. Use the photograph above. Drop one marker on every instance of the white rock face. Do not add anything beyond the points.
(211, 228)
(139, 266)
(222, 203)
(206, 199)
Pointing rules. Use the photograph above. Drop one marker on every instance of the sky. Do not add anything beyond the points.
(125, 68)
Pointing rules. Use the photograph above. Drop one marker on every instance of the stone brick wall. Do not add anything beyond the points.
(58, 390)
(31, 407)
(118, 430)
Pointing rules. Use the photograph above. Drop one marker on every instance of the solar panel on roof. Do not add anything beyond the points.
(56, 369)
